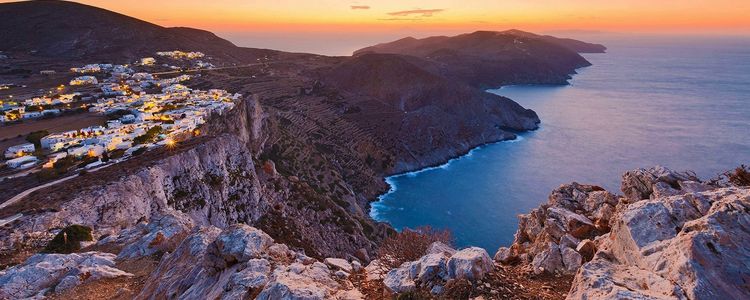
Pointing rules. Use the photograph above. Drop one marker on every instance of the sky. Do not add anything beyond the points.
(328, 21)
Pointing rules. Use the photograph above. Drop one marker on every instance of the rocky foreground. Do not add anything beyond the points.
(669, 236)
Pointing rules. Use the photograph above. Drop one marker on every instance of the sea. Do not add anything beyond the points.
(682, 102)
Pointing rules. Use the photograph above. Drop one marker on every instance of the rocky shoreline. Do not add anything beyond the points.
(668, 236)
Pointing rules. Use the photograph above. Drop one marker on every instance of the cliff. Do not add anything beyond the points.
(215, 179)
(669, 236)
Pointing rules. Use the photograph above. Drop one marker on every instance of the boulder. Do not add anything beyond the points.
(339, 264)
(440, 247)
(569, 241)
(401, 279)
(42, 272)
(182, 273)
(356, 266)
(163, 233)
(505, 256)
(374, 270)
(298, 281)
(548, 261)
(253, 277)
(237, 243)
(577, 225)
(571, 260)
(587, 249)
(470, 263)
(432, 266)
(640, 184)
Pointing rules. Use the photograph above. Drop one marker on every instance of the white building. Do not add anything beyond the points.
(23, 161)
(81, 80)
(148, 61)
(19, 150)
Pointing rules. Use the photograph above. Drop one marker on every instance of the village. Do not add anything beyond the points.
(142, 111)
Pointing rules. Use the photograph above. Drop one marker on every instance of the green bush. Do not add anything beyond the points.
(36, 137)
(149, 136)
(69, 239)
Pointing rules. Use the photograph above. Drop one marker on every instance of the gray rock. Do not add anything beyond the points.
(163, 233)
(42, 272)
(299, 281)
(504, 256)
(238, 243)
(571, 260)
(437, 290)
(401, 279)
(470, 263)
(432, 266)
(548, 261)
(440, 247)
(341, 274)
(356, 266)
(339, 264)
(253, 277)
(673, 247)
(569, 241)
(577, 225)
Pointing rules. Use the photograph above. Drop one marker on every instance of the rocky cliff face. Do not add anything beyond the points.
(669, 237)
(216, 180)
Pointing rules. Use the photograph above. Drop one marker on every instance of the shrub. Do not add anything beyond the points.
(740, 176)
(69, 239)
(36, 137)
(148, 136)
(139, 151)
(409, 245)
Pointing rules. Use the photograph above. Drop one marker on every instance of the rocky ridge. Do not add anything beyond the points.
(669, 237)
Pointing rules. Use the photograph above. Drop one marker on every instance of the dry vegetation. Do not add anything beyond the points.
(409, 245)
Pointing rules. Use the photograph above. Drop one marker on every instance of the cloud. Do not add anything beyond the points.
(400, 19)
(360, 7)
(419, 12)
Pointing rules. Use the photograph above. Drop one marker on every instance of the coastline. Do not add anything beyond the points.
(377, 206)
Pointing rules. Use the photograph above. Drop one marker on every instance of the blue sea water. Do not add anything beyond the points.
(681, 102)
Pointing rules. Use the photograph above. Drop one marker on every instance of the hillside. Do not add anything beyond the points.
(69, 30)
(490, 59)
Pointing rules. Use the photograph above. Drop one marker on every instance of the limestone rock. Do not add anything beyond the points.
(673, 247)
(432, 266)
(42, 272)
(470, 263)
(571, 260)
(356, 266)
(504, 256)
(163, 233)
(401, 279)
(339, 264)
(440, 247)
(298, 281)
(587, 249)
(549, 260)
(640, 184)
(238, 243)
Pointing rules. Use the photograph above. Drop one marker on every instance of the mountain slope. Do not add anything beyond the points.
(69, 30)
(489, 59)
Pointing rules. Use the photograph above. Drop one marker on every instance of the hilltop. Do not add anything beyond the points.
(490, 59)
(63, 30)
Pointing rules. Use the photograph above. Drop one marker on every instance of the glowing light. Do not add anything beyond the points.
(170, 143)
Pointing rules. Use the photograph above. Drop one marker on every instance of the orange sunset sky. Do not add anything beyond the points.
(659, 16)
